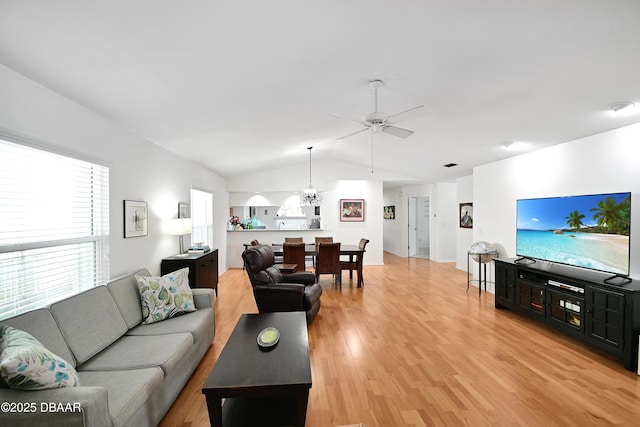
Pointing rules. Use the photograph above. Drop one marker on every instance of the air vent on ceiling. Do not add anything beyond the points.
(450, 165)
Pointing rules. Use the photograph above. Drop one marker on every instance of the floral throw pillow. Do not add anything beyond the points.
(166, 296)
(26, 364)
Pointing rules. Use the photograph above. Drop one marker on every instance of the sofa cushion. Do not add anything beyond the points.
(139, 352)
(89, 322)
(27, 365)
(41, 325)
(199, 324)
(128, 390)
(124, 291)
(203, 297)
(166, 296)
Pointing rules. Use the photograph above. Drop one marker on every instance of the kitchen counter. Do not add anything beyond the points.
(237, 239)
(273, 229)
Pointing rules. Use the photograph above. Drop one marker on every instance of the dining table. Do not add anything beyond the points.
(352, 251)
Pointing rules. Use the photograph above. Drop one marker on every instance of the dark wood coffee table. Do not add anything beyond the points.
(269, 385)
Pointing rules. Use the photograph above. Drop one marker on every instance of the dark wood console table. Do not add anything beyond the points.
(575, 301)
(203, 268)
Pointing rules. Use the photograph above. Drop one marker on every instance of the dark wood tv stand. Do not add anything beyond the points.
(575, 301)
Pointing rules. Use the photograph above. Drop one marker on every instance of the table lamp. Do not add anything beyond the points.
(179, 227)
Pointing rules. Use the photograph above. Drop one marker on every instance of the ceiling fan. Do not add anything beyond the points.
(378, 121)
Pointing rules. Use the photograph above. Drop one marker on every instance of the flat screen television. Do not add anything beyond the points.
(588, 231)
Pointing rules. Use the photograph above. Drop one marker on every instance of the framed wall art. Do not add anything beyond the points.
(466, 215)
(135, 218)
(352, 210)
(184, 211)
(389, 212)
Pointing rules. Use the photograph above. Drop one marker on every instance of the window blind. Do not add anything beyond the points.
(202, 217)
(54, 227)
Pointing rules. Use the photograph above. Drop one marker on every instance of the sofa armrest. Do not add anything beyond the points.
(203, 297)
(66, 406)
(302, 277)
(279, 297)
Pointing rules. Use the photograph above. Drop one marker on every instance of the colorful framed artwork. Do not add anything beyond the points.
(466, 215)
(135, 218)
(352, 210)
(389, 212)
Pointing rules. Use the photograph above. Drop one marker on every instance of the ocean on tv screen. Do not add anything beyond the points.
(594, 251)
(590, 231)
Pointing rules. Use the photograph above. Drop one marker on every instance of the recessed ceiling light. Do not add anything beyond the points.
(622, 108)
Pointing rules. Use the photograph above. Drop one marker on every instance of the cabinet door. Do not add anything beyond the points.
(205, 272)
(505, 285)
(531, 298)
(565, 309)
(605, 317)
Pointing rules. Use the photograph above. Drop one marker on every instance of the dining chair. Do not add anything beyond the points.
(298, 240)
(321, 240)
(293, 240)
(294, 253)
(328, 261)
(355, 264)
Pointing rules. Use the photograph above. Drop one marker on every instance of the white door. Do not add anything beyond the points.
(413, 227)
(419, 227)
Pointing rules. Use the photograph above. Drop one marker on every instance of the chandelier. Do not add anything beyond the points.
(310, 196)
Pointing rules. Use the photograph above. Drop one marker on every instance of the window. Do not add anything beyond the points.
(54, 227)
(291, 207)
(202, 217)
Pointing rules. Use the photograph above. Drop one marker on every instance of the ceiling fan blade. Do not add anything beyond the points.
(396, 131)
(340, 116)
(402, 112)
(354, 133)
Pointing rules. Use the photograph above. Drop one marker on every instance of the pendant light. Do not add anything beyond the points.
(310, 196)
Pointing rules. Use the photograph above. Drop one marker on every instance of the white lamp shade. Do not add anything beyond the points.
(179, 226)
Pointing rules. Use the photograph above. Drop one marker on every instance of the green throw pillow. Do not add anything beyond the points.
(166, 296)
(26, 364)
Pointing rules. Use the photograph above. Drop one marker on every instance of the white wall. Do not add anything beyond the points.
(352, 232)
(295, 176)
(347, 233)
(445, 222)
(139, 170)
(397, 236)
(602, 163)
(464, 187)
(394, 229)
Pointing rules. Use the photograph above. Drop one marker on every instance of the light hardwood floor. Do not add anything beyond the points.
(412, 348)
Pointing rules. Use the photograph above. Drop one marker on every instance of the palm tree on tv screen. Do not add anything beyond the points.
(574, 220)
(610, 216)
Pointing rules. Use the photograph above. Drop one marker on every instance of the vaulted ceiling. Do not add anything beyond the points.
(245, 86)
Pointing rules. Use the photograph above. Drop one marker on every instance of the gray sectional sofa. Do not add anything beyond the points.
(130, 373)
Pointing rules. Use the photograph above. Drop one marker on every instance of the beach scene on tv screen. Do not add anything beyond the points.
(589, 231)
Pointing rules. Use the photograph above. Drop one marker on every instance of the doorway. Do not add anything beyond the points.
(419, 225)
